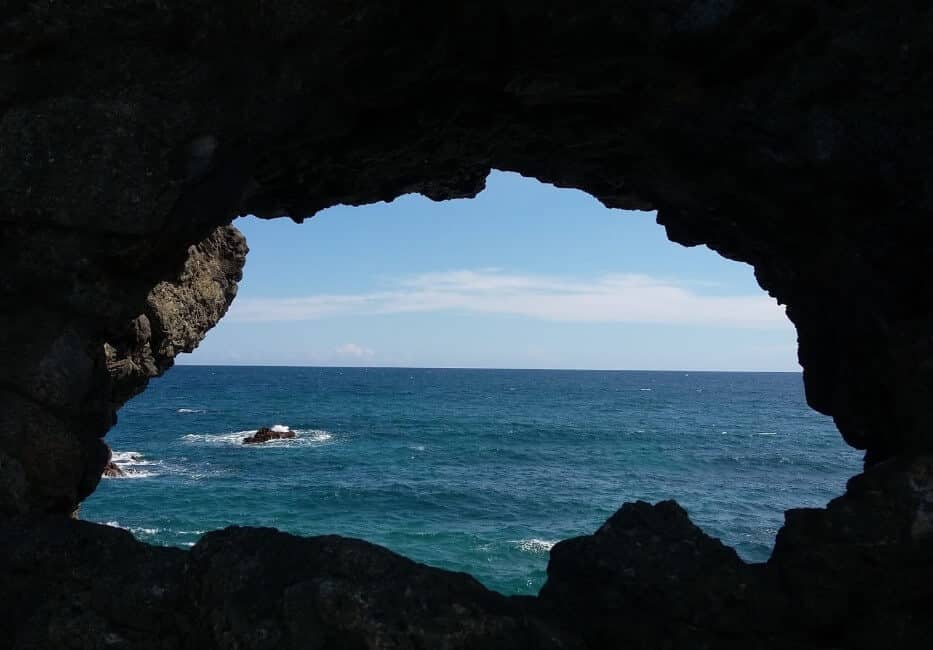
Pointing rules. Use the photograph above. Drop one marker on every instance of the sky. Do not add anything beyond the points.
(525, 275)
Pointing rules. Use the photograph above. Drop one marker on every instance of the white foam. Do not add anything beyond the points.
(136, 530)
(233, 438)
(133, 465)
(191, 410)
(126, 457)
(416, 447)
(319, 435)
(280, 428)
(132, 473)
(768, 433)
(534, 545)
(646, 390)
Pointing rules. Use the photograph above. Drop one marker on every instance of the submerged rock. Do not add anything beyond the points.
(265, 434)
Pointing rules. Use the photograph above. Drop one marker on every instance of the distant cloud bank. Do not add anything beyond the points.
(611, 298)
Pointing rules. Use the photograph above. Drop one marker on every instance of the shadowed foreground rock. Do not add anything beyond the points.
(647, 579)
(72, 584)
(649, 573)
(259, 588)
(858, 574)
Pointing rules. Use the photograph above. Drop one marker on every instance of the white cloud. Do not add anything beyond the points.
(612, 298)
(353, 351)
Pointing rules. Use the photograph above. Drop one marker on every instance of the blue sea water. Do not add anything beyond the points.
(470, 470)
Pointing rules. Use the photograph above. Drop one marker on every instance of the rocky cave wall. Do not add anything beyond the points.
(795, 136)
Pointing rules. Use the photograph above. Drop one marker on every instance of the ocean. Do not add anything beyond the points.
(469, 470)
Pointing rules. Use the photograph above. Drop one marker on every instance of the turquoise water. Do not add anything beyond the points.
(472, 470)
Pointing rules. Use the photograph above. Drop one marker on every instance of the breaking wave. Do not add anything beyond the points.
(139, 531)
(534, 545)
(134, 465)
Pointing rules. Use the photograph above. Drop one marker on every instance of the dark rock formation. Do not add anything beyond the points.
(791, 135)
(266, 589)
(858, 575)
(71, 584)
(51, 448)
(177, 314)
(265, 434)
(647, 574)
(112, 470)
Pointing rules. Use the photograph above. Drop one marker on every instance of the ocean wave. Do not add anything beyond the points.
(126, 457)
(534, 545)
(136, 530)
(191, 411)
(131, 474)
(303, 437)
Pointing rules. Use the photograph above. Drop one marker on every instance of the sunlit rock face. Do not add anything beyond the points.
(795, 136)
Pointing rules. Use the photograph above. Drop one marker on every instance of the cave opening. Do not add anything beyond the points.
(473, 380)
(790, 136)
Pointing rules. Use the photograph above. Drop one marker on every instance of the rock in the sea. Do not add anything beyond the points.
(265, 434)
(113, 470)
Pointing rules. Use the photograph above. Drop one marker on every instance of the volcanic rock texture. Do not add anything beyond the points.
(795, 136)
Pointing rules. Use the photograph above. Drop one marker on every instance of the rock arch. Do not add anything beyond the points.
(792, 136)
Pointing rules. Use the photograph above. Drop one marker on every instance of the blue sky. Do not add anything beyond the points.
(525, 275)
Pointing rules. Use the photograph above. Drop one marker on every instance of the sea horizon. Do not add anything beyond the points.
(504, 369)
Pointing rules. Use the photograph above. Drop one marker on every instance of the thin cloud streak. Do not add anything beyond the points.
(612, 298)
(354, 351)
